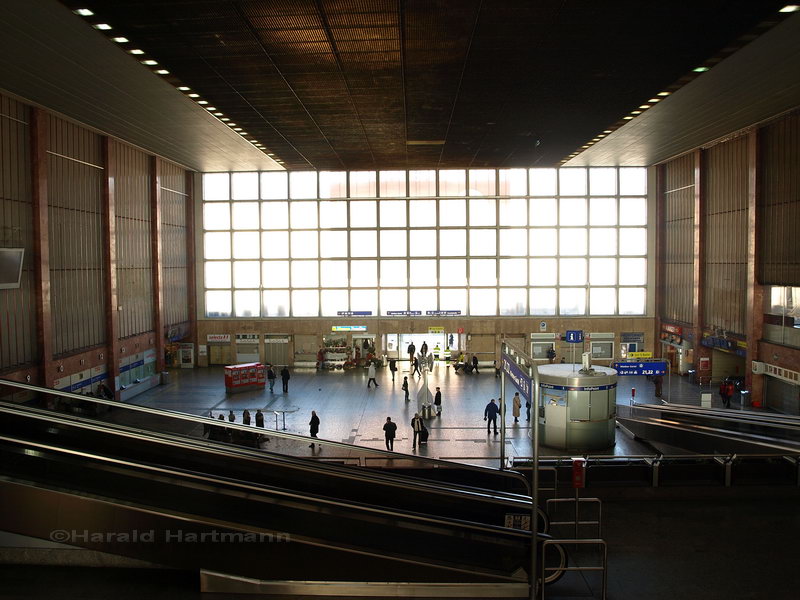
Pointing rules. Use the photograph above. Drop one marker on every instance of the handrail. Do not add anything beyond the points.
(206, 446)
(166, 473)
(281, 434)
(249, 487)
(723, 414)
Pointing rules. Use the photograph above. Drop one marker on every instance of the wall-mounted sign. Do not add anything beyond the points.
(348, 328)
(247, 338)
(631, 337)
(443, 313)
(435, 329)
(574, 336)
(354, 313)
(738, 347)
(640, 355)
(705, 363)
(218, 338)
(641, 368)
(404, 313)
(276, 340)
(521, 379)
(542, 326)
(672, 329)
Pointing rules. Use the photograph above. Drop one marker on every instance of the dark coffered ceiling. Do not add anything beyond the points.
(365, 84)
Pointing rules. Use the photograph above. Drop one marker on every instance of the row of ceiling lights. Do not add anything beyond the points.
(85, 12)
(789, 8)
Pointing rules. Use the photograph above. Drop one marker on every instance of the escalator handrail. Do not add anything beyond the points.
(767, 419)
(206, 446)
(250, 488)
(274, 433)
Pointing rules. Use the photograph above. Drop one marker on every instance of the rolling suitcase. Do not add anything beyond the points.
(423, 436)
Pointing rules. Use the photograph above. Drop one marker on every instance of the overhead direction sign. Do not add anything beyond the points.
(641, 368)
(574, 336)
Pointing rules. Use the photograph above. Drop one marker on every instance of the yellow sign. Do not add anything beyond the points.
(435, 329)
(640, 355)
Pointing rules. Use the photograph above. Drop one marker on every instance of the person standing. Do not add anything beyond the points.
(313, 426)
(405, 387)
(246, 417)
(475, 364)
(528, 408)
(259, 418)
(416, 426)
(658, 381)
(723, 393)
(416, 366)
(516, 406)
(490, 416)
(393, 366)
(437, 401)
(285, 377)
(389, 431)
(730, 391)
(271, 378)
(551, 354)
(436, 351)
(423, 350)
(231, 416)
(411, 350)
(371, 374)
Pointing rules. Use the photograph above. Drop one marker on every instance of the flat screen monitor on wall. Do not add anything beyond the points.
(10, 267)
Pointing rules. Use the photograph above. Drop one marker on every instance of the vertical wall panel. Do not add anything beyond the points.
(17, 307)
(134, 270)
(678, 239)
(173, 234)
(779, 203)
(75, 187)
(725, 282)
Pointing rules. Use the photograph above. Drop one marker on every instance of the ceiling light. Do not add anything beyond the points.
(202, 101)
(225, 119)
(211, 108)
(601, 135)
(628, 118)
(597, 139)
(236, 128)
(664, 93)
(162, 71)
(217, 114)
(700, 69)
(184, 88)
(790, 8)
(231, 124)
(136, 51)
(102, 26)
(242, 133)
(149, 62)
(654, 100)
(636, 112)
(645, 106)
(586, 146)
(120, 40)
(607, 131)
(270, 154)
(84, 12)
(193, 95)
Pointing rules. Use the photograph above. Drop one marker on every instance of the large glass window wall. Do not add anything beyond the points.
(481, 242)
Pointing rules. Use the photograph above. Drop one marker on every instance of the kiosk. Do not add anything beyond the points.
(245, 377)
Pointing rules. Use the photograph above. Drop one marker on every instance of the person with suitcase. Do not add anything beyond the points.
(416, 426)
(423, 435)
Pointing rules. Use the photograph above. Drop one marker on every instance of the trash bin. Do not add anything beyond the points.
(164, 377)
(744, 396)
(692, 373)
(427, 411)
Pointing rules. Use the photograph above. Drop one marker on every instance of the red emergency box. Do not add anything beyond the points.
(245, 377)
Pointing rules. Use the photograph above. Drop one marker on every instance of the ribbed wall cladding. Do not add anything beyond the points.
(134, 252)
(725, 213)
(779, 203)
(679, 189)
(18, 344)
(173, 235)
(74, 193)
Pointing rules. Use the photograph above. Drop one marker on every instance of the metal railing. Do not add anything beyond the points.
(603, 567)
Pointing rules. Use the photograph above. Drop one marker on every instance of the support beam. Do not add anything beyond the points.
(699, 266)
(191, 281)
(110, 264)
(41, 245)
(156, 251)
(754, 315)
(661, 240)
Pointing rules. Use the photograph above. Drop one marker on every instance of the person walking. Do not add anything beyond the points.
(393, 367)
(516, 406)
(371, 374)
(436, 351)
(490, 416)
(285, 377)
(437, 401)
(411, 350)
(416, 426)
(551, 354)
(658, 381)
(723, 393)
(271, 378)
(416, 367)
(259, 418)
(246, 417)
(389, 431)
(404, 387)
(528, 409)
(423, 350)
(475, 364)
(231, 416)
(313, 425)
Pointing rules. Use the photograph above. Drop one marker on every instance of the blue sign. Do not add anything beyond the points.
(354, 313)
(443, 313)
(521, 380)
(641, 368)
(574, 337)
(404, 313)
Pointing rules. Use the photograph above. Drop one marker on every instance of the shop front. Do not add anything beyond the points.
(219, 349)
(676, 349)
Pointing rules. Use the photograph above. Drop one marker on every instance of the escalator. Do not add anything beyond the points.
(203, 505)
(711, 430)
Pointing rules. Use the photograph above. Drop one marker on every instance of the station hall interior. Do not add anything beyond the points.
(595, 203)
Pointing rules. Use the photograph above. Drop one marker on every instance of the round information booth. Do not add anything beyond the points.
(577, 406)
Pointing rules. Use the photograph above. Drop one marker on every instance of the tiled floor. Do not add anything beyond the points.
(352, 413)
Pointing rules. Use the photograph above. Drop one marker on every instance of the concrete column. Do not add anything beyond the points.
(156, 251)
(110, 264)
(754, 315)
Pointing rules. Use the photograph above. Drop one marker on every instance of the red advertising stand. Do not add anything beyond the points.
(245, 377)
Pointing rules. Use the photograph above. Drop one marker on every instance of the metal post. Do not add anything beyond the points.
(669, 384)
(503, 420)
(534, 372)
